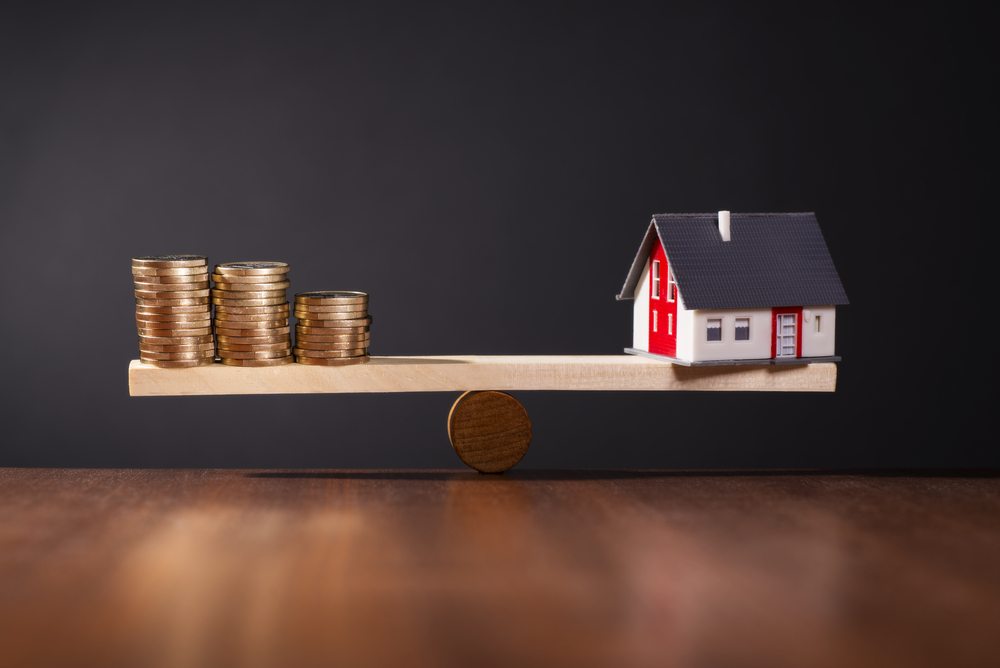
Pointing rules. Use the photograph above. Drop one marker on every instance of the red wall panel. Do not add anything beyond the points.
(662, 341)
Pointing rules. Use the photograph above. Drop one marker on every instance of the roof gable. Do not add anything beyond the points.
(772, 259)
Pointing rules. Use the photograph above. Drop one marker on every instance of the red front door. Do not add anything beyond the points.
(786, 323)
(662, 304)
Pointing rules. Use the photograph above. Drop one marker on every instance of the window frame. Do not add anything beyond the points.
(656, 280)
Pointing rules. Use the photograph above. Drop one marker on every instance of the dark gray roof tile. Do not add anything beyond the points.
(772, 259)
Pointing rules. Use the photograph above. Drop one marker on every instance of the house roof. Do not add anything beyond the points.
(772, 259)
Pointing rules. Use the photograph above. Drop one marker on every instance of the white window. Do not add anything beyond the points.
(715, 329)
(742, 330)
(817, 323)
(671, 287)
(656, 321)
(656, 281)
(670, 324)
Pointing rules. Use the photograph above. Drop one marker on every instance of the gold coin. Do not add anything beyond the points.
(255, 268)
(159, 287)
(351, 352)
(254, 347)
(196, 301)
(328, 332)
(319, 347)
(332, 361)
(200, 331)
(253, 310)
(221, 285)
(255, 294)
(272, 335)
(347, 308)
(278, 321)
(170, 294)
(328, 315)
(249, 302)
(331, 297)
(187, 324)
(253, 355)
(177, 349)
(259, 317)
(360, 322)
(251, 279)
(333, 338)
(179, 364)
(330, 345)
(176, 271)
(338, 338)
(159, 324)
(170, 261)
(253, 340)
(199, 355)
(331, 308)
(250, 287)
(171, 280)
(251, 324)
(174, 326)
(173, 310)
(278, 361)
(173, 331)
(258, 331)
(204, 318)
(175, 340)
(173, 317)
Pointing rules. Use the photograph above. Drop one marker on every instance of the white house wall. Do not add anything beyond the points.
(700, 349)
(684, 339)
(821, 343)
(640, 312)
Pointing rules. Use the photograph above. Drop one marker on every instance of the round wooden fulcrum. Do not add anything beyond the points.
(489, 430)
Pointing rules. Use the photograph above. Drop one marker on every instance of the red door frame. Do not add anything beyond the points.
(785, 310)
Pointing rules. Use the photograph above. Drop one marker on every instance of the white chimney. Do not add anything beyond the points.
(724, 225)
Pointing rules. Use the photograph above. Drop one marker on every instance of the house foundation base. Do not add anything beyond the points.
(777, 361)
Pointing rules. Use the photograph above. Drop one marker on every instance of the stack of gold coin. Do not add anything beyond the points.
(251, 313)
(333, 328)
(172, 310)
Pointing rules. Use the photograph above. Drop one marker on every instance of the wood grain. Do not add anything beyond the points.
(462, 373)
(490, 431)
(199, 568)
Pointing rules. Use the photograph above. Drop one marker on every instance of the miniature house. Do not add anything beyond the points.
(744, 288)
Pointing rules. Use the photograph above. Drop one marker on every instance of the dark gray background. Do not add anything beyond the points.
(486, 172)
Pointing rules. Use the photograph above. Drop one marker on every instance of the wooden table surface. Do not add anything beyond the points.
(531, 568)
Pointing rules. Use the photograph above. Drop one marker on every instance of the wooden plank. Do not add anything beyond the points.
(461, 373)
(161, 568)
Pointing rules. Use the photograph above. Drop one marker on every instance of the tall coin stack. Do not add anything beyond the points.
(332, 329)
(251, 313)
(172, 311)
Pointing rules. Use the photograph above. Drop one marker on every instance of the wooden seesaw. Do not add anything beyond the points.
(488, 428)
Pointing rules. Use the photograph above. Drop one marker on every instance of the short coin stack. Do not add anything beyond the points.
(251, 313)
(172, 310)
(333, 328)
